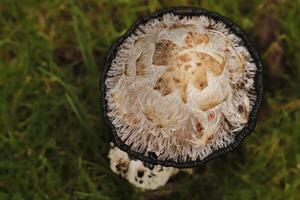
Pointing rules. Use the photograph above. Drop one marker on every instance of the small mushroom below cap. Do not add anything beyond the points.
(137, 173)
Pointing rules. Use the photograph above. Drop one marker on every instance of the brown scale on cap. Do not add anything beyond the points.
(177, 77)
(240, 108)
(165, 84)
(205, 63)
(187, 67)
(211, 116)
(184, 58)
(163, 52)
(209, 138)
(171, 80)
(193, 39)
(199, 127)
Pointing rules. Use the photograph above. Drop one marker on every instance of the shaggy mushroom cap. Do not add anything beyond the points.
(180, 88)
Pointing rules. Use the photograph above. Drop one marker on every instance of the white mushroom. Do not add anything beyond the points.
(136, 172)
(180, 87)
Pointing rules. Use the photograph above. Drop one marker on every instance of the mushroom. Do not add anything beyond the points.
(137, 173)
(181, 87)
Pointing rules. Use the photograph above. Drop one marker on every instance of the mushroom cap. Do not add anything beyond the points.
(180, 87)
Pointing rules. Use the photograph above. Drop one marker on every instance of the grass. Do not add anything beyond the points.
(53, 141)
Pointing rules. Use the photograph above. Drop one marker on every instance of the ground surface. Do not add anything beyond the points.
(53, 141)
